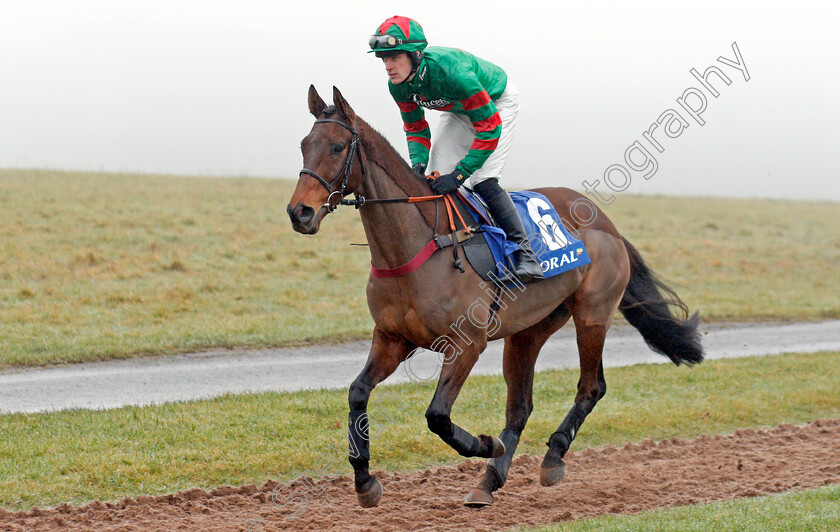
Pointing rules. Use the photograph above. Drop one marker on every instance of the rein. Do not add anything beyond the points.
(437, 242)
(361, 200)
(344, 175)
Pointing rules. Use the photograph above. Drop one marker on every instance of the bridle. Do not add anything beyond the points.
(437, 241)
(346, 170)
(344, 174)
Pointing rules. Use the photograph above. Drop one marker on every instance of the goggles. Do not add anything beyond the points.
(386, 41)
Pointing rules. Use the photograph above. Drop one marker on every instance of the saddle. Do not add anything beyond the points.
(486, 246)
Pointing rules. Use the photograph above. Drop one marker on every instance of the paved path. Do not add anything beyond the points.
(161, 379)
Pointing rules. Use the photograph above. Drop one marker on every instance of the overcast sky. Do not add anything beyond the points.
(219, 88)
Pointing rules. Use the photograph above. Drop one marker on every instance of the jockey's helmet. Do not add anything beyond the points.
(398, 34)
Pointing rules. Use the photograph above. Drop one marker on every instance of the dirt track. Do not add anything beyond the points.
(633, 478)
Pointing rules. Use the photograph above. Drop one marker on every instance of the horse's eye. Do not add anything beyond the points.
(337, 148)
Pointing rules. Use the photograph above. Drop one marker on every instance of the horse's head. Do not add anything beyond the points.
(333, 164)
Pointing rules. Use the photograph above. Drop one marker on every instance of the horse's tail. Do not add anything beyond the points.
(648, 304)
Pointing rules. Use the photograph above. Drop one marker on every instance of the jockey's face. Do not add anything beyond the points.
(398, 67)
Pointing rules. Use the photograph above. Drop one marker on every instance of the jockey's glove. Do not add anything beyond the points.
(449, 183)
(419, 169)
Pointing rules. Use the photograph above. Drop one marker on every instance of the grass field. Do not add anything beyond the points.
(98, 266)
(77, 456)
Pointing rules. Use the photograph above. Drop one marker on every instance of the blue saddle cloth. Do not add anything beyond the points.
(556, 249)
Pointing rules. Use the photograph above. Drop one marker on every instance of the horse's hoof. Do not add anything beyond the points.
(491, 447)
(370, 497)
(550, 476)
(478, 498)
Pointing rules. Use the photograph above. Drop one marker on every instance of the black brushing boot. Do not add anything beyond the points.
(503, 210)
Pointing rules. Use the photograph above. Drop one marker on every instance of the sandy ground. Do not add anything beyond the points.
(631, 479)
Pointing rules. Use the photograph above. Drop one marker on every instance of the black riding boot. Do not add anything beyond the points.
(504, 212)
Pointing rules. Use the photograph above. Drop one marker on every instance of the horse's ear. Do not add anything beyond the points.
(342, 105)
(316, 103)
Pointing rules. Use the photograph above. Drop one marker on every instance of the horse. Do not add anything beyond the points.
(426, 302)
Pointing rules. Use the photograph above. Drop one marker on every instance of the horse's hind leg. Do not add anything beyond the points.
(521, 351)
(591, 388)
(386, 353)
(593, 307)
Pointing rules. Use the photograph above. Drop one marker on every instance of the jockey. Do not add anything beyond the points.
(474, 134)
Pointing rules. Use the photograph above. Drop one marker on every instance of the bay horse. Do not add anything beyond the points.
(343, 155)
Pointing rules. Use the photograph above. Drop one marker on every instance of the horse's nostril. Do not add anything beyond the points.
(300, 213)
(304, 213)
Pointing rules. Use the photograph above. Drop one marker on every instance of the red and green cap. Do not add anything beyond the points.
(399, 34)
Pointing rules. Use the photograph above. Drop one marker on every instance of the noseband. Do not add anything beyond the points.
(344, 174)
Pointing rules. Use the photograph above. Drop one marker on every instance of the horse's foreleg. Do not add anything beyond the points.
(386, 353)
(520, 356)
(591, 388)
(452, 378)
